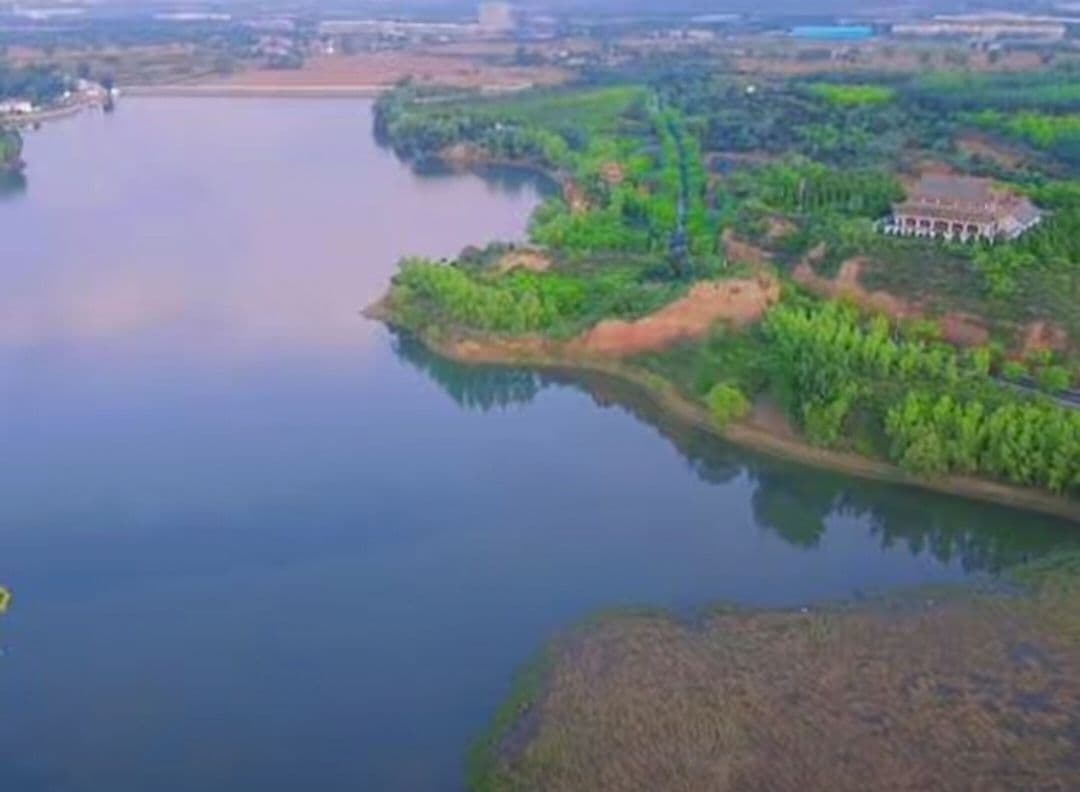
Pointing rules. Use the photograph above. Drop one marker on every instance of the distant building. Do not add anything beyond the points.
(192, 16)
(985, 27)
(962, 209)
(392, 28)
(15, 107)
(832, 32)
(496, 17)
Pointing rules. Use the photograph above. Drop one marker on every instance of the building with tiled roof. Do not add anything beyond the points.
(963, 209)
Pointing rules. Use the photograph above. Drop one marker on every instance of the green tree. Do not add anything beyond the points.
(726, 404)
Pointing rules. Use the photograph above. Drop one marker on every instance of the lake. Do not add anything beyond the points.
(258, 542)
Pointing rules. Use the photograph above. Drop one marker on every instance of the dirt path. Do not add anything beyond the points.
(523, 259)
(739, 251)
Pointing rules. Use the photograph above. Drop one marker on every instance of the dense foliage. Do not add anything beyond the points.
(808, 187)
(1057, 134)
(1028, 443)
(852, 95)
(940, 410)
(840, 125)
(639, 203)
(1052, 250)
(543, 126)
(517, 303)
(521, 302)
(633, 172)
(1055, 90)
(36, 84)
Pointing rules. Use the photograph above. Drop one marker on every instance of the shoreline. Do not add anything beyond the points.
(549, 356)
(358, 91)
(281, 91)
(31, 120)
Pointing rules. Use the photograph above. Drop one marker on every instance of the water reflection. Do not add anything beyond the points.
(12, 184)
(796, 503)
(254, 254)
(471, 387)
(506, 179)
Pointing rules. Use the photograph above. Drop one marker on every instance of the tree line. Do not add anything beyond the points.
(1034, 444)
(938, 408)
(428, 293)
(38, 84)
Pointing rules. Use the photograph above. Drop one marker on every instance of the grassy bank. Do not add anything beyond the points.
(933, 689)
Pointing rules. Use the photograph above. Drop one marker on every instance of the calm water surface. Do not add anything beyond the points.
(257, 542)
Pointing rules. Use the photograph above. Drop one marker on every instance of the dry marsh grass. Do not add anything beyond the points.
(965, 691)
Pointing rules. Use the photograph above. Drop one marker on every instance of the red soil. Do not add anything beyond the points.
(740, 302)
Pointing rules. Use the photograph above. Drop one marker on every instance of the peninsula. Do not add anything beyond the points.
(767, 293)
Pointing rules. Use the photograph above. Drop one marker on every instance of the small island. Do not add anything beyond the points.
(892, 300)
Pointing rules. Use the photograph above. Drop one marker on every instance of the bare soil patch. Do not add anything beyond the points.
(612, 173)
(779, 227)
(384, 69)
(464, 155)
(508, 49)
(740, 251)
(1041, 336)
(769, 417)
(741, 302)
(958, 328)
(930, 691)
(575, 197)
(846, 286)
(526, 259)
(964, 330)
(992, 150)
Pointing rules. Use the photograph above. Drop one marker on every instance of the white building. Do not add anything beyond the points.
(16, 107)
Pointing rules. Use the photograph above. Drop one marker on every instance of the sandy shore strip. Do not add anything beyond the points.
(263, 91)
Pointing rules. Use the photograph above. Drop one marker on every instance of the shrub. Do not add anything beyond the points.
(726, 404)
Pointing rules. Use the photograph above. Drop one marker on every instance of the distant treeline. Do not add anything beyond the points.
(37, 83)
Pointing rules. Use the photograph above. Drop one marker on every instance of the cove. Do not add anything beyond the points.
(257, 541)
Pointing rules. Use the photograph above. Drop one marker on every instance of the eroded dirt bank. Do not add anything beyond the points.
(739, 302)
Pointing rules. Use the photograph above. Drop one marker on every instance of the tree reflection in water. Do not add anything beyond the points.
(12, 184)
(796, 503)
(472, 387)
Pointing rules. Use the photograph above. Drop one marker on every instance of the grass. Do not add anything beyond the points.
(596, 110)
(852, 95)
(575, 295)
(727, 355)
(1056, 90)
(482, 768)
(944, 279)
(938, 689)
(1041, 130)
